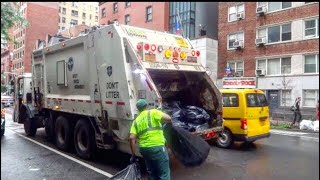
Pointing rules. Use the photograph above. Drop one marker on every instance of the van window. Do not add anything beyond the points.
(256, 100)
(230, 100)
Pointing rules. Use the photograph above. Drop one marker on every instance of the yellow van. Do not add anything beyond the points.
(246, 116)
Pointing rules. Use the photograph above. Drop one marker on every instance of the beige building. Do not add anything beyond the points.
(77, 13)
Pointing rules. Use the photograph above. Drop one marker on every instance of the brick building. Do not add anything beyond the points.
(43, 19)
(277, 44)
(150, 15)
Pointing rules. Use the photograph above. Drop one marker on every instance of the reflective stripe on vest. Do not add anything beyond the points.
(150, 127)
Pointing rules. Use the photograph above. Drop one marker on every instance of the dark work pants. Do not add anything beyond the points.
(157, 162)
(297, 117)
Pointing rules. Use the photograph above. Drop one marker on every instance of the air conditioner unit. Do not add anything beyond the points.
(240, 16)
(261, 10)
(260, 72)
(238, 44)
(260, 41)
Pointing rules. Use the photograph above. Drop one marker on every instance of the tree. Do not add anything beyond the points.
(10, 15)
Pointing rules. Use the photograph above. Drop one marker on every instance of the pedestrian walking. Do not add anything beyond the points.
(147, 129)
(297, 112)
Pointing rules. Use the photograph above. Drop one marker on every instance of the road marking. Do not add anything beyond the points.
(66, 156)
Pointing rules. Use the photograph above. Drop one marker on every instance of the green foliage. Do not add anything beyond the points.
(3, 88)
(10, 15)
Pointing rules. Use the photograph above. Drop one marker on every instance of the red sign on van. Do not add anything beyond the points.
(239, 83)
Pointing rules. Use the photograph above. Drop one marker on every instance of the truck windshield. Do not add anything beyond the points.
(256, 100)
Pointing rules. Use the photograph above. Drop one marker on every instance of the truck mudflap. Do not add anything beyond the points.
(210, 133)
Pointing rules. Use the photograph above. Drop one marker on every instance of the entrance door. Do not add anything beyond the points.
(273, 99)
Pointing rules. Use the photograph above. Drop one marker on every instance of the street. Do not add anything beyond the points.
(285, 155)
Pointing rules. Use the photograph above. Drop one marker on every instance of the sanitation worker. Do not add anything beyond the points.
(147, 129)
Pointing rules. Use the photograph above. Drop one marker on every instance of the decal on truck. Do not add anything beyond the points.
(114, 94)
(136, 33)
(109, 70)
(70, 64)
(182, 43)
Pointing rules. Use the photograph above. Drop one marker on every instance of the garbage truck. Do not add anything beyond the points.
(83, 90)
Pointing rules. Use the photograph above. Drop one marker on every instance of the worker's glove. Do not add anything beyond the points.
(133, 159)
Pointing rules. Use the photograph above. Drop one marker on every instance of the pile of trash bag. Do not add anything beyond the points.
(189, 149)
(191, 118)
(131, 172)
(309, 125)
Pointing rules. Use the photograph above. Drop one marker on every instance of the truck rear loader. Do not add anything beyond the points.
(83, 90)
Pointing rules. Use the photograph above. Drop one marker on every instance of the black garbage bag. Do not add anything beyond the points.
(171, 108)
(131, 172)
(195, 115)
(191, 150)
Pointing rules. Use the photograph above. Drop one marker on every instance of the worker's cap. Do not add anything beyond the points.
(141, 103)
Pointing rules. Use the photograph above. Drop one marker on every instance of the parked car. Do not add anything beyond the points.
(7, 101)
(246, 116)
(3, 121)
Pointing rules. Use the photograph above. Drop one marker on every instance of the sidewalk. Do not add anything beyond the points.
(295, 129)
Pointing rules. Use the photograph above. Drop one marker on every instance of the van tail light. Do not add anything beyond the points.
(244, 124)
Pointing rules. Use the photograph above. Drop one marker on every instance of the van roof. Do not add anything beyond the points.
(241, 90)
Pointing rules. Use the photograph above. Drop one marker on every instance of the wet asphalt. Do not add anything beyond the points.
(294, 157)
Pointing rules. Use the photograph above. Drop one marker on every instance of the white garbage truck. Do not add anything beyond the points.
(83, 90)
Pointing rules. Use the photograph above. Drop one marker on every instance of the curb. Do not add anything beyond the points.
(297, 130)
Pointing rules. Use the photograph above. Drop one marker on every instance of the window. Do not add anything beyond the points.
(83, 23)
(74, 13)
(237, 67)
(276, 33)
(83, 15)
(275, 66)
(63, 20)
(96, 18)
(149, 13)
(90, 16)
(74, 4)
(127, 4)
(59, 9)
(286, 65)
(311, 28)
(311, 63)
(256, 100)
(103, 13)
(274, 6)
(233, 11)
(64, 10)
(233, 38)
(310, 97)
(230, 100)
(74, 22)
(62, 28)
(286, 98)
(115, 7)
(127, 19)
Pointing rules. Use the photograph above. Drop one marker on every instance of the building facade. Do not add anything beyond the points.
(195, 19)
(150, 15)
(277, 43)
(43, 19)
(77, 13)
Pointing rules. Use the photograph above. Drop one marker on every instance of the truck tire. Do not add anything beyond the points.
(84, 139)
(49, 127)
(225, 140)
(63, 133)
(30, 126)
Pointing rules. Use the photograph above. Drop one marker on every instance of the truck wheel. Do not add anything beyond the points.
(84, 139)
(225, 140)
(49, 127)
(63, 133)
(30, 126)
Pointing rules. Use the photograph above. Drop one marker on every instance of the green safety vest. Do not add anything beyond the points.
(148, 129)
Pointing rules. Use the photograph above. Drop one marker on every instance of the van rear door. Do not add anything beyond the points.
(257, 114)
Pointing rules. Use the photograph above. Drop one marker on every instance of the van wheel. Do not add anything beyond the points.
(84, 139)
(63, 133)
(225, 140)
(30, 127)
